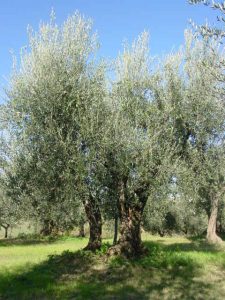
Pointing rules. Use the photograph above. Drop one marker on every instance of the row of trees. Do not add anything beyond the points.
(85, 145)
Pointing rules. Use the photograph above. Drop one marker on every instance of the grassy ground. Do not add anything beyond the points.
(175, 268)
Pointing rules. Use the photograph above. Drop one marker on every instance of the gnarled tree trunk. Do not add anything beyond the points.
(94, 217)
(129, 243)
(212, 236)
(130, 232)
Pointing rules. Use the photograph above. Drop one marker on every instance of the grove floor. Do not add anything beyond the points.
(175, 268)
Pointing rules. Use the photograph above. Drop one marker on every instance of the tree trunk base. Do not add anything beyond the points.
(214, 239)
(93, 246)
(94, 218)
(127, 250)
(114, 250)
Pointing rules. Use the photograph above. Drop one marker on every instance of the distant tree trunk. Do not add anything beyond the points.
(185, 229)
(81, 229)
(6, 232)
(48, 228)
(115, 229)
(219, 228)
(129, 243)
(6, 227)
(94, 217)
(212, 237)
(161, 233)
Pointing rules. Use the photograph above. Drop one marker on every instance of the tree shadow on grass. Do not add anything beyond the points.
(24, 242)
(202, 237)
(198, 246)
(34, 240)
(79, 275)
(197, 243)
(161, 274)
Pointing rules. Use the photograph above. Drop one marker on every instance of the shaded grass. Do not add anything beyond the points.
(31, 241)
(175, 268)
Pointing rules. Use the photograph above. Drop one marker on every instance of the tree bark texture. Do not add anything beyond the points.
(129, 243)
(93, 214)
(212, 236)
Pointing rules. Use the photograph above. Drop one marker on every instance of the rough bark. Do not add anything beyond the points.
(129, 243)
(212, 236)
(93, 214)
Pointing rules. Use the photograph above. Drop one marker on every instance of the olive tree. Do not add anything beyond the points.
(199, 122)
(10, 212)
(138, 139)
(212, 31)
(55, 102)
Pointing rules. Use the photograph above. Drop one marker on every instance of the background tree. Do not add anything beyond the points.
(10, 212)
(199, 128)
(212, 31)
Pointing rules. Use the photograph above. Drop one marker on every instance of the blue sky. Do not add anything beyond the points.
(114, 20)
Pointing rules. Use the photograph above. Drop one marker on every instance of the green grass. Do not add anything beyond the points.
(175, 268)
